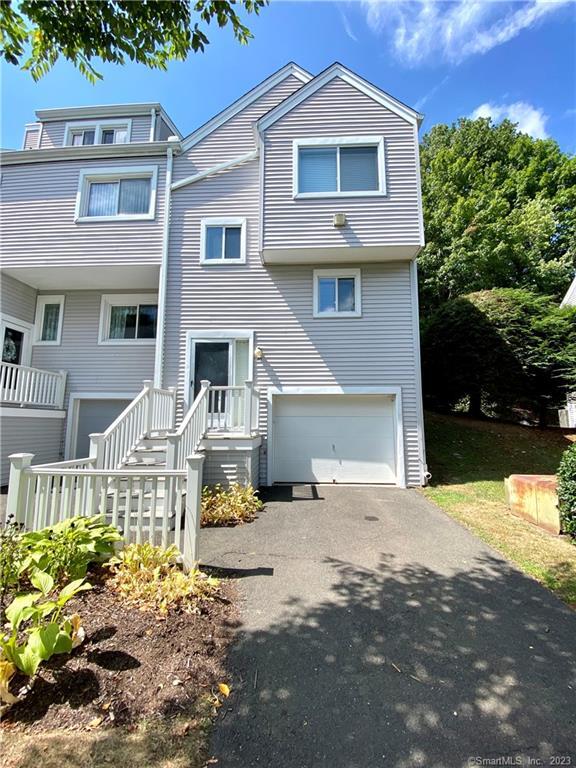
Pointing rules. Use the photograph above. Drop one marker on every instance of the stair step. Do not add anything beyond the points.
(157, 444)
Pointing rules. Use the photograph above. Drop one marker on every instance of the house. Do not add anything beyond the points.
(567, 415)
(259, 275)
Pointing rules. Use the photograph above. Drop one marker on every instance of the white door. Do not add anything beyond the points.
(334, 439)
(15, 341)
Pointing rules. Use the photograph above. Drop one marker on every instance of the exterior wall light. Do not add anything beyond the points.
(258, 354)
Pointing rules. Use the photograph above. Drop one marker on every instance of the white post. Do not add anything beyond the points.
(248, 388)
(171, 451)
(174, 392)
(190, 555)
(149, 410)
(19, 462)
(205, 387)
(61, 389)
(97, 449)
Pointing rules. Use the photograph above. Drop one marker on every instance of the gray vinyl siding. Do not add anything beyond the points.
(338, 109)
(29, 434)
(276, 302)
(37, 219)
(93, 367)
(54, 131)
(236, 137)
(17, 299)
(226, 467)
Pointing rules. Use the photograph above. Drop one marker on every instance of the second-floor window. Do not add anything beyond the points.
(49, 317)
(223, 241)
(128, 318)
(341, 166)
(116, 193)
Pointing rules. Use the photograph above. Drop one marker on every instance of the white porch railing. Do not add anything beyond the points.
(187, 437)
(152, 410)
(155, 505)
(21, 385)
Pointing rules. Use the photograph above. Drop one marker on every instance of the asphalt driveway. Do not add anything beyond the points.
(378, 632)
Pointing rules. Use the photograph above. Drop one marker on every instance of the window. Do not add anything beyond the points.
(223, 241)
(337, 293)
(49, 319)
(116, 193)
(103, 132)
(347, 166)
(128, 318)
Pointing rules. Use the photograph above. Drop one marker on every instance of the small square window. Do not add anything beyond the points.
(222, 241)
(337, 293)
(49, 317)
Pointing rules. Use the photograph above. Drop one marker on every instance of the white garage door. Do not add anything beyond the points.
(334, 438)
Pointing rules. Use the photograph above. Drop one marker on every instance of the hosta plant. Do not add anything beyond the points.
(150, 578)
(65, 550)
(229, 506)
(37, 627)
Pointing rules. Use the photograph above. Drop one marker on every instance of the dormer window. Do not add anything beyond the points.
(82, 134)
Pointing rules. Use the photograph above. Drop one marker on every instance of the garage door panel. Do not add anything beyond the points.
(334, 438)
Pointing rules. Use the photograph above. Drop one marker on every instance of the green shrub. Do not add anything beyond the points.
(12, 554)
(66, 549)
(567, 490)
(150, 578)
(232, 506)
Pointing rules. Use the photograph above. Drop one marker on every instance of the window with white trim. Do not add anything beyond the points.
(128, 318)
(339, 167)
(49, 319)
(337, 293)
(116, 193)
(101, 132)
(223, 241)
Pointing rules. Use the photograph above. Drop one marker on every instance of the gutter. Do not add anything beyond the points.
(163, 276)
(89, 152)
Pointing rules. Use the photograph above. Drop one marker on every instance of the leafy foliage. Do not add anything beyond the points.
(149, 577)
(567, 490)
(66, 549)
(37, 628)
(499, 211)
(35, 33)
(11, 556)
(503, 349)
(231, 506)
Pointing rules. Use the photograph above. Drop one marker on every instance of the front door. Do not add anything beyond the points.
(211, 362)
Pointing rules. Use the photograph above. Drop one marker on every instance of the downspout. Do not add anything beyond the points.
(163, 276)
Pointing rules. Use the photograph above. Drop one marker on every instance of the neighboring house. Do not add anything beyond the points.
(271, 252)
(567, 415)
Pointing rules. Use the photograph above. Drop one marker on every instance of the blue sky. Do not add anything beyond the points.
(448, 59)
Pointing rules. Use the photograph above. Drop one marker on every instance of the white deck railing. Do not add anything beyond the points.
(186, 440)
(156, 505)
(21, 385)
(152, 410)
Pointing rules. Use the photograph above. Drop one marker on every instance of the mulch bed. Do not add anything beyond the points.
(132, 665)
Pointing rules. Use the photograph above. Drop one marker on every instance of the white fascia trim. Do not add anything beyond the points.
(41, 301)
(98, 126)
(339, 141)
(122, 299)
(89, 152)
(113, 173)
(336, 273)
(245, 101)
(96, 111)
(219, 221)
(216, 169)
(11, 320)
(396, 392)
(337, 70)
(31, 413)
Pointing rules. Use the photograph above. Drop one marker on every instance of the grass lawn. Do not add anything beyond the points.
(469, 461)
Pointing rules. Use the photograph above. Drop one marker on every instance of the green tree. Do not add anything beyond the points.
(35, 33)
(499, 211)
(501, 349)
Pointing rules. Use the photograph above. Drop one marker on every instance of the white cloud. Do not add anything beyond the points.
(433, 30)
(530, 119)
(431, 93)
(346, 25)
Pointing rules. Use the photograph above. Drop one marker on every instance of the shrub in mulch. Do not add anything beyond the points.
(229, 506)
(567, 490)
(135, 664)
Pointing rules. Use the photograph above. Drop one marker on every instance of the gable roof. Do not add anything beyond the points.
(290, 69)
(333, 71)
(570, 299)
